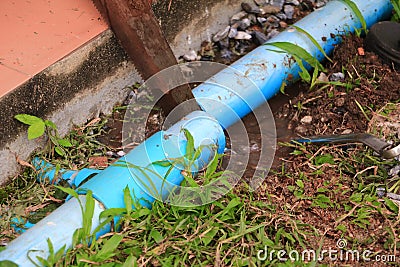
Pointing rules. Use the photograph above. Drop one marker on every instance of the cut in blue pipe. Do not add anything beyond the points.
(267, 69)
(48, 173)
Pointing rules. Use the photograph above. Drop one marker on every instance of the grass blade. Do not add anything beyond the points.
(396, 7)
(299, 52)
(358, 13)
(189, 145)
(362, 110)
(312, 39)
(109, 248)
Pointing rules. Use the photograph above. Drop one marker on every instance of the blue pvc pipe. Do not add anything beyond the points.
(59, 227)
(162, 145)
(108, 185)
(236, 98)
(48, 173)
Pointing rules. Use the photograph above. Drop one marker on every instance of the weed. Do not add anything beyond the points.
(53, 257)
(38, 127)
(396, 9)
(360, 17)
(300, 55)
(362, 110)
(312, 39)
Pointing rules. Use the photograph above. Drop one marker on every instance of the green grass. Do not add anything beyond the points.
(359, 16)
(396, 10)
(330, 193)
(231, 230)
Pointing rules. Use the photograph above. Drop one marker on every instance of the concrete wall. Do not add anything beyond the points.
(94, 78)
(86, 83)
(187, 23)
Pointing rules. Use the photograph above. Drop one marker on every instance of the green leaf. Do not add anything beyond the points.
(357, 12)
(42, 261)
(209, 236)
(36, 130)
(233, 203)
(109, 248)
(312, 39)
(212, 166)
(304, 75)
(113, 212)
(143, 212)
(297, 152)
(71, 192)
(322, 201)
(128, 200)
(131, 261)
(322, 190)
(356, 197)
(50, 124)
(322, 159)
(342, 228)
(396, 7)
(314, 78)
(51, 247)
(282, 88)
(156, 235)
(189, 179)
(28, 119)
(299, 52)
(291, 188)
(300, 183)
(197, 152)
(162, 163)
(68, 191)
(390, 204)
(88, 213)
(59, 151)
(64, 142)
(189, 144)
(7, 263)
(60, 253)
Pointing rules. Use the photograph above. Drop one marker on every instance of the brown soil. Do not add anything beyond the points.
(334, 109)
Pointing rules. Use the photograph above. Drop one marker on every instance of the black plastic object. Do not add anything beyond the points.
(384, 40)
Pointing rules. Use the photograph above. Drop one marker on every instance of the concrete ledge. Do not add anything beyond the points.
(79, 87)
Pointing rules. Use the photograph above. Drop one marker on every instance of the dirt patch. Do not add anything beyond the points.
(318, 183)
(368, 85)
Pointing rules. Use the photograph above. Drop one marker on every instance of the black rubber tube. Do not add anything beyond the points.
(384, 40)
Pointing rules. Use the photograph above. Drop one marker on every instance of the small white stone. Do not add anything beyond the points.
(306, 120)
(191, 56)
(347, 131)
(242, 36)
(221, 34)
(232, 32)
(322, 77)
(254, 147)
(121, 153)
(238, 16)
(261, 20)
(301, 129)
